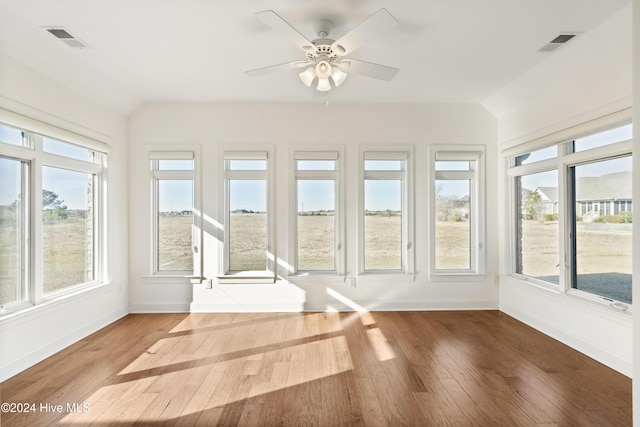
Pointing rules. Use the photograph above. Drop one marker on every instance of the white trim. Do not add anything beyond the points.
(331, 305)
(171, 155)
(31, 125)
(523, 145)
(385, 155)
(159, 307)
(449, 154)
(316, 155)
(246, 155)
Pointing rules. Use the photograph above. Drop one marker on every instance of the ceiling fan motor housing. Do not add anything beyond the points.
(322, 47)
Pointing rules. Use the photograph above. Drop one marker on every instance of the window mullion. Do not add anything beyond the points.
(35, 249)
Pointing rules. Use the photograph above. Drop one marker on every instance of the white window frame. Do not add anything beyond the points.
(565, 159)
(336, 154)
(260, 152)
(33, 155)
(548, 165)
(181, 152)
(475, 155)
(395, 152)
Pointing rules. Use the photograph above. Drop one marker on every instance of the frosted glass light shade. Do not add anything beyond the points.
(307, 76)
(338, 76)
(323, 85)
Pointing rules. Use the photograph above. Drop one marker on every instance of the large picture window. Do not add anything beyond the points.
(173, 190)
(386, 214)
(316, 211)
(573, 211)
(600, 221)
(51, 204)
(458, 212)
(247, 214)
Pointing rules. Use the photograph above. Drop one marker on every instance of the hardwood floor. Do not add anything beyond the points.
(479, 368)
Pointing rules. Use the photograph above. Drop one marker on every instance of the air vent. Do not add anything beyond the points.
(558, 41)
(66, 37)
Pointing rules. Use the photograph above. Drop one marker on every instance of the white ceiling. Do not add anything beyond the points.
(450, 51)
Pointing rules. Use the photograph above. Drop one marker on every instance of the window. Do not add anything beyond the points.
(68, 222)
(248, 231)
(458, 235)
(13, 231)
(316, 225)
(600, 221)
(600, 139)
(173, 211)
(51, 199)
(538, 230)
(386, 213)
(10, 135)
(578, 203)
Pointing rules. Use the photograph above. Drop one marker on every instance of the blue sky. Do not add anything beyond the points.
(251, 194)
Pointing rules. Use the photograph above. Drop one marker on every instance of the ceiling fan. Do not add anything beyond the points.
(326, 60)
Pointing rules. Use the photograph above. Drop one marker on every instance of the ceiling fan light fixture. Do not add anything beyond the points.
(338, 76)
(323, 85)
(307, 76)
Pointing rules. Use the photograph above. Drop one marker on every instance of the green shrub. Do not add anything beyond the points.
(550, 217)
(626, 216)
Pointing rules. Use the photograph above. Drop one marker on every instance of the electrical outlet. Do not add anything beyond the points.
(208, 283)
(352, 282)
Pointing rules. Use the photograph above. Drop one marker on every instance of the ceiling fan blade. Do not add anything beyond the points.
(276, 22)
(369, 69)
(273, 68)
(380, 21)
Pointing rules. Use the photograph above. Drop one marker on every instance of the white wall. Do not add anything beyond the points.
(636, 218)
(283, 125)
(584, 80)
(30, 336)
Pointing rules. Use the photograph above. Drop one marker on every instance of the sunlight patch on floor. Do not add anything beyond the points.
(217, 384)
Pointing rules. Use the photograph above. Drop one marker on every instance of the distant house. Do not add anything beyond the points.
(548, 199)
(608, 194)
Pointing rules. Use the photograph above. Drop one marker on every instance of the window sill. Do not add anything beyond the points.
(458, 277)
(247, 277)
(170, 278)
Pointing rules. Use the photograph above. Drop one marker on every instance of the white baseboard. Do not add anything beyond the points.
(554, 331)
(335, 305)
(9, 370)
(159, 307)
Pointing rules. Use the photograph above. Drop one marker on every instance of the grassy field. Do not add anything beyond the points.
(382, 242)
(63, 253)
(316, 242)
(247, 242)
(603, 256)
(174, 247)
(604, 250)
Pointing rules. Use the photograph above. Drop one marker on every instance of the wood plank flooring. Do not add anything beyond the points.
(479, 368)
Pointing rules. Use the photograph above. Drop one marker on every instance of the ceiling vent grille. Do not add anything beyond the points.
(66, 37)
(560, 40)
